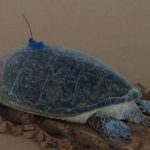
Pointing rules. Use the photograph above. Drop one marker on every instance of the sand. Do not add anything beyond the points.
(9, 142)
(117, 32)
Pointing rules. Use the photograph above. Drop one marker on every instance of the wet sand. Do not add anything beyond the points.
(117, 32)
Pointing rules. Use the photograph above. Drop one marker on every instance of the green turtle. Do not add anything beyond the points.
(66, 84)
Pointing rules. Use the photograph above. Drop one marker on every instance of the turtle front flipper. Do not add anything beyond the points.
(111, 127)
(144, 105)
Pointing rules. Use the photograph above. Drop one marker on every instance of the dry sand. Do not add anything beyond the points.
(9, 142)
(115, 31)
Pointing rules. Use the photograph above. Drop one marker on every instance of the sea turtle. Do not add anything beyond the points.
(65, 84)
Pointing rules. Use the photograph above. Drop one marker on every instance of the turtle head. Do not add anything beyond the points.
(134, 93)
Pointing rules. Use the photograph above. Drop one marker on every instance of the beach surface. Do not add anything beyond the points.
(117, 32)
(9, 142)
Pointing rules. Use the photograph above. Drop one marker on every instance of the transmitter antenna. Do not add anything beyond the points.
(28, 25)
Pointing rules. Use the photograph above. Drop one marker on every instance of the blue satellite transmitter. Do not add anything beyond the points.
(32, 44)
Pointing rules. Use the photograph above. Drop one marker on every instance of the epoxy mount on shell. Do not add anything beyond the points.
(32, 44)
(36, 46)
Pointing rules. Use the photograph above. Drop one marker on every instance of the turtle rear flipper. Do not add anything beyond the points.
(111, 127)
